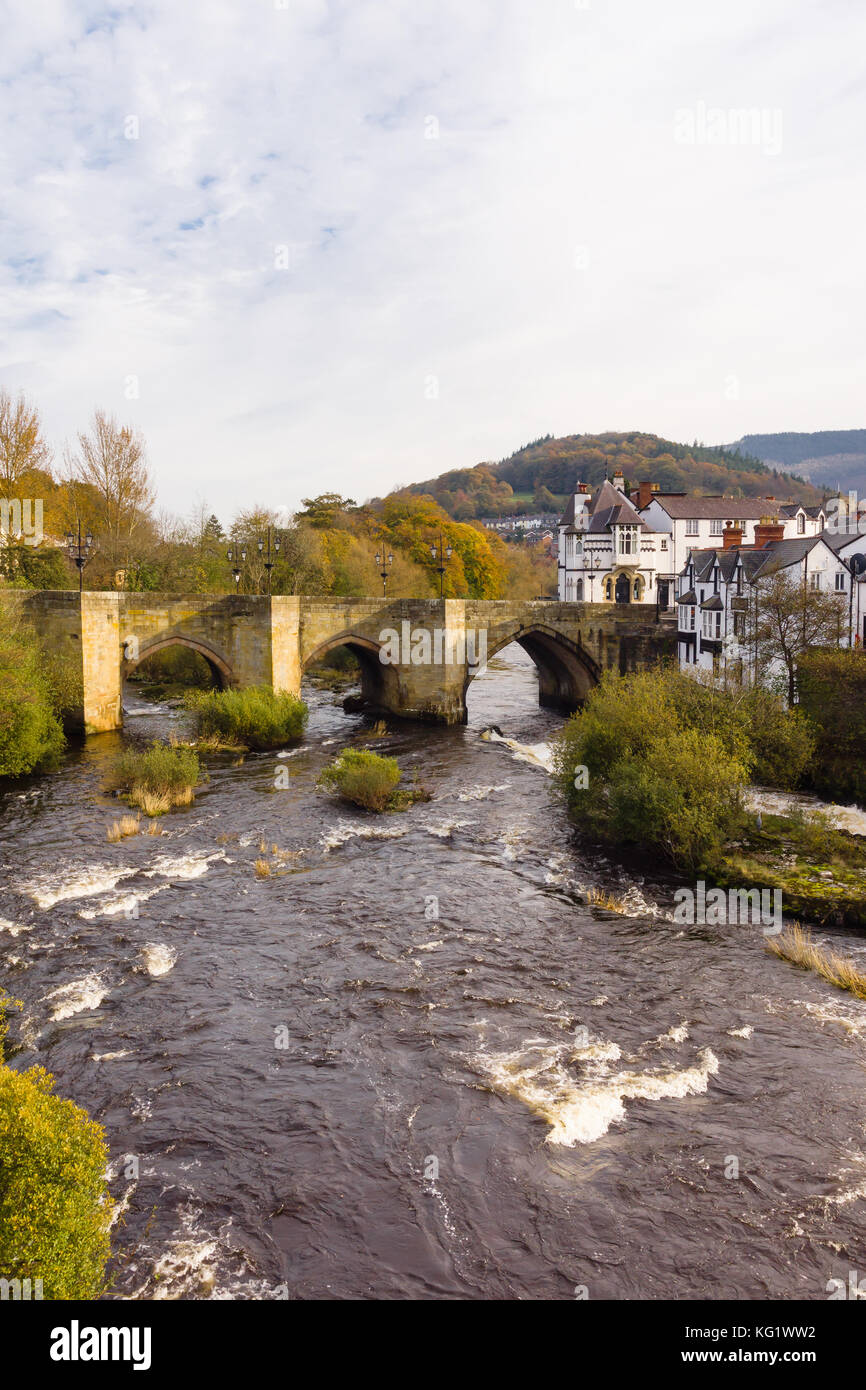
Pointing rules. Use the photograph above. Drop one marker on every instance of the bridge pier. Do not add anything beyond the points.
(418, 656)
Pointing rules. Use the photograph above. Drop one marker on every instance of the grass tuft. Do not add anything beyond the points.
(160, 777)
(797, 946)
(122, 828)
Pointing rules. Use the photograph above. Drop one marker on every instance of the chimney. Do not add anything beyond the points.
(645, 492)
(732, 535)
(768, 530)
(583, 487)
(618, 480)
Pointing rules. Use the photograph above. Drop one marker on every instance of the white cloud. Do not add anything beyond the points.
(555, 259)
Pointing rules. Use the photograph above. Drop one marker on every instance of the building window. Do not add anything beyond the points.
(608, 589)
(840, 582)
(801, 524)
(691, 620)
(637, 592)
(712, 626)
(579, 590)
(691, 527)
(814, 580)
(739, 624)
(664, 544)
(715, 528)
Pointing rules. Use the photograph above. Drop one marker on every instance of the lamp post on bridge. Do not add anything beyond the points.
(444, 554)
(234, 556)
(384, 561)
(80, 553)
(269, 563)
(591, 562)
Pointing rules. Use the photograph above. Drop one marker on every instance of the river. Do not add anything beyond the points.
(413, 1062)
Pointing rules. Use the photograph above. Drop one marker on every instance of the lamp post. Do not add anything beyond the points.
(591, 562)
(383, 572)
(444, 554)
(233, 557)
(269, 563)
(80, 552)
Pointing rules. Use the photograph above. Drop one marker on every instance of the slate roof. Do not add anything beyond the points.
(837, 541)
(714, 508)
(609, 508)
(779, 555)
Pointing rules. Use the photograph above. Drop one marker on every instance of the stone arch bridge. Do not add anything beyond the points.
(417, 656)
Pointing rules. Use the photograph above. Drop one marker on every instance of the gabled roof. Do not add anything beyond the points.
(610, 508)
(778, 555)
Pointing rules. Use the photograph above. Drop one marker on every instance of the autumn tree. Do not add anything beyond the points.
(110, 460)
(786, 617)
(22, 446)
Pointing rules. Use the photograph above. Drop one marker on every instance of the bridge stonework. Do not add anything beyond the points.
(258, 640)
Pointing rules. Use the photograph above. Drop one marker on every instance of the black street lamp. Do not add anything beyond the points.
(233, 556)
(269, 563)
(383, 572)
(444, 554)
(80, 552)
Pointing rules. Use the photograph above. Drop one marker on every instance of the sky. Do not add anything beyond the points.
(315, 245)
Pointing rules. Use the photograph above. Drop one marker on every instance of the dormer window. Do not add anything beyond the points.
(801, 524)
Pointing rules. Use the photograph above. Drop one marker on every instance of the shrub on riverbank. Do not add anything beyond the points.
(633, 770)
(54, 1208)
(31, 738)
(257, 717)
(162, 776)
(54, 1205)
(832, 688)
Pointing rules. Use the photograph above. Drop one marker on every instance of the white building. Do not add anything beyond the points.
(615, 548)
(696, 523)
(607, 552)
(719, 587)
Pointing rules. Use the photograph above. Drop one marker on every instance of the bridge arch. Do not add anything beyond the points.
(380, 682)
(219, 666)
(566, 671)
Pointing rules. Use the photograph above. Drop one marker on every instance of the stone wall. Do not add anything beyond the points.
(258, 640)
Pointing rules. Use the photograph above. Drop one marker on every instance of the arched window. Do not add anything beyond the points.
(637, 591)
(608, 589)
(579, 590)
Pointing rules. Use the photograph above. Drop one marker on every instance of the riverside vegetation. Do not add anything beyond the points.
(54, 1205)
(667, 761)
(371, 781)
(257, 717)
(157, 778)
